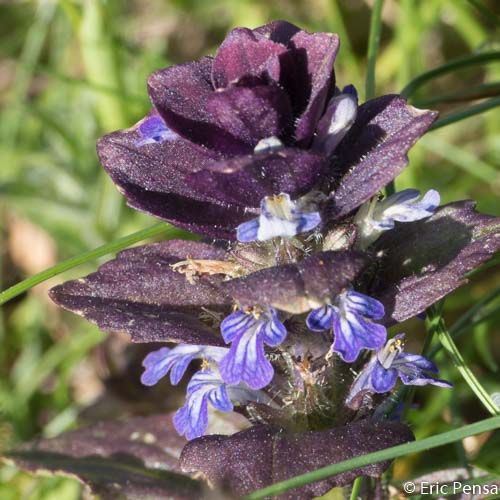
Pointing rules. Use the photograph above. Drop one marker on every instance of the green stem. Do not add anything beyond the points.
(459, 362)
(466, 113)
(356, 487)
(378, 456)
(119, 244)
(449, 67)
(373, 44)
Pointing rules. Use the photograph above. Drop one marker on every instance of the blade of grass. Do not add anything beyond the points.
(119, 244)
(356, 487)
(29, 379)
(467, 26)
(481, 341)
(408, 39)
(470, 319)
(488, 14)
(72, 13)
(373, 44)
(477, 92)
(467, 319)
(378, 456)
(462, 158)
(101, 64)
(459, 362)
(449, 67)
(52, 124)
(336, 24)
(94, 87)
(466, 113)
(31, 52)
(102, 68)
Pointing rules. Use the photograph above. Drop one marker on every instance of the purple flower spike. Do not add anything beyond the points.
(153, 129)
(375, 217)
(337, 120)
(262, 117)
(176, 360)
(279, 216)
(246, 360)
(381, 373)
(192, 418)
(351, 317)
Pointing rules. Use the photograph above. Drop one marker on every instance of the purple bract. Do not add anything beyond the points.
(257, 148)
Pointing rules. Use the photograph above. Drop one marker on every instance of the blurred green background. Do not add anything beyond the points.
(72, 70)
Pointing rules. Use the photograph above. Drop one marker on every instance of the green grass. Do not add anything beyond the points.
(72, 70)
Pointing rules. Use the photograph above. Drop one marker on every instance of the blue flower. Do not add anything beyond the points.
(153, 129)
(390, 362)
(158, 363)
(350, 316)
(248, 332)
(207, 386)
(375, 217)
(339, 117)
(279, 216)
(192, 418)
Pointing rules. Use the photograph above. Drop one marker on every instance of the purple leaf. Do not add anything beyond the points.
(252, 112)
(314, 55)
(136, 459)
(245, 180)
(426, 260)
(278, 31)
(139, 293)
(153, 179)
(262, 455)
(160, 167)
(375, 149)
(244, 52)
(215, 221)
(181, 94)
(299, 287)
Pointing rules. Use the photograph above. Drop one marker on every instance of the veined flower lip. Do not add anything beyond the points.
(351, 317)
(247, 333)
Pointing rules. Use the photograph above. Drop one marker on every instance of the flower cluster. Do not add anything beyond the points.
(259, 150)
